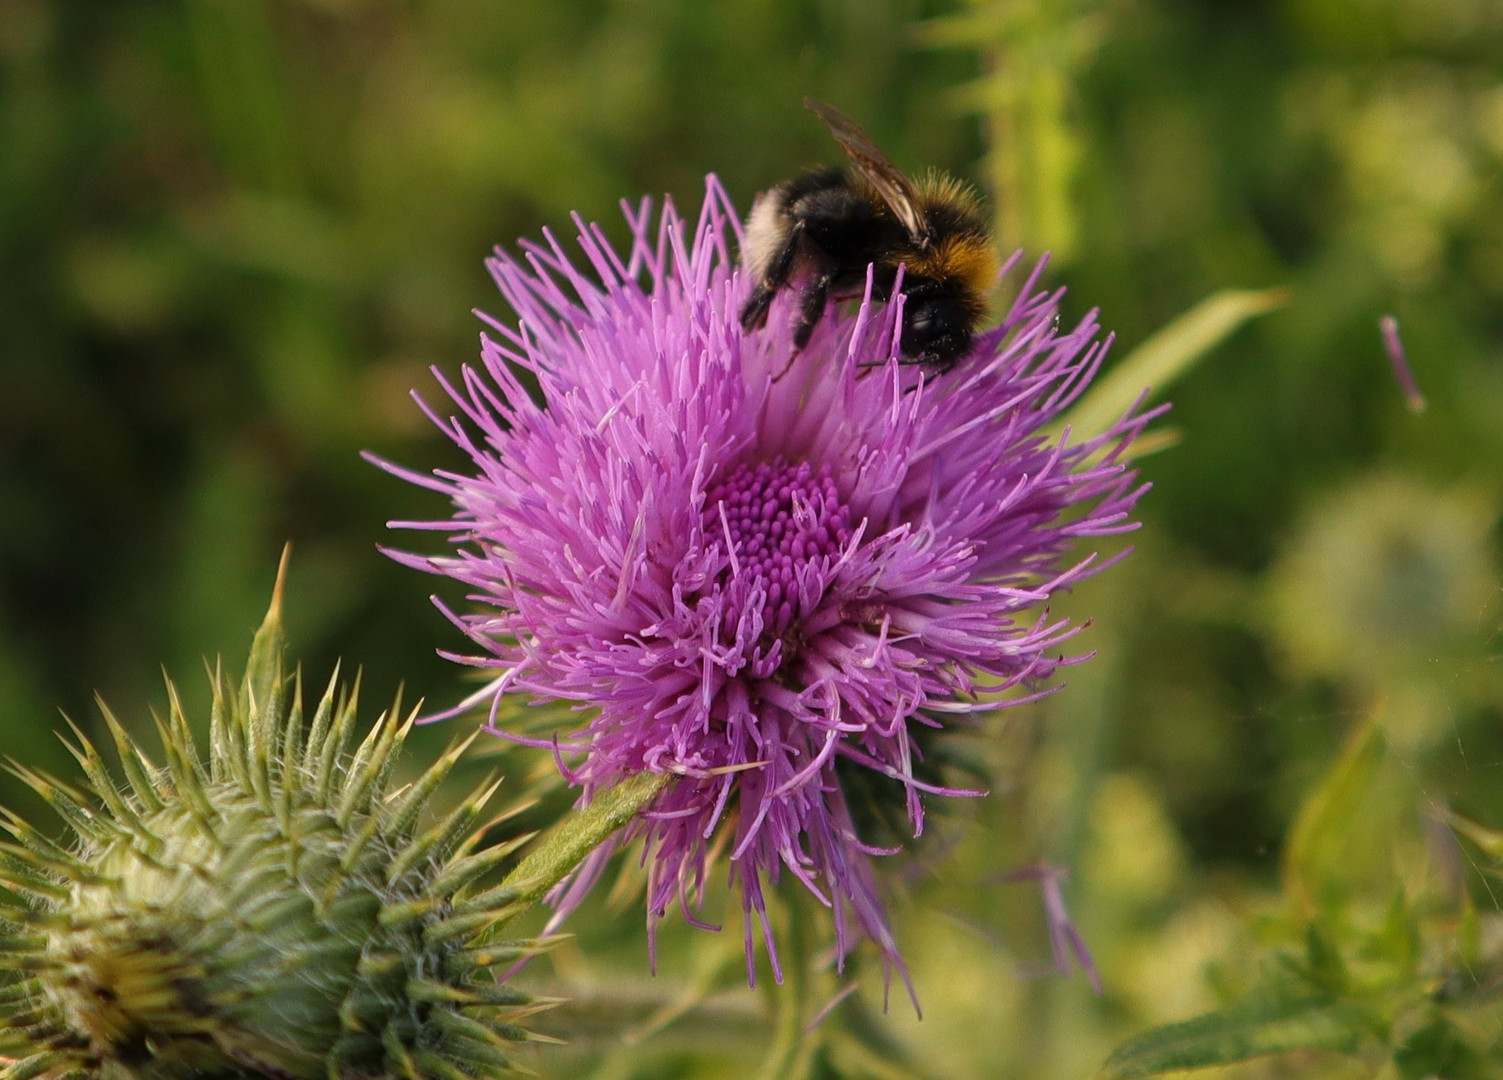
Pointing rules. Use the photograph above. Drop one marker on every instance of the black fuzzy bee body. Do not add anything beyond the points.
(825, 227)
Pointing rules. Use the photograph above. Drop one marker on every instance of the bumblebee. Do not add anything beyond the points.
(823, 228)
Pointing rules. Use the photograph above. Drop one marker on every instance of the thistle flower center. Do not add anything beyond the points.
(780, 520)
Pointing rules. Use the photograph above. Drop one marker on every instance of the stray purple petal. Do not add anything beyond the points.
(1389, 326)
(1064, 940)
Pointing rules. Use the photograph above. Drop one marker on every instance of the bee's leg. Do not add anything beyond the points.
(754, 314)
(777, 274)
(812, 309)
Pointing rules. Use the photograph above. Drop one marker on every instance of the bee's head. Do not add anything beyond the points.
(937, 326)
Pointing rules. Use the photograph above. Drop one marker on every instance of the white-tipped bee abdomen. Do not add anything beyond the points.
(836, 234)
(766, 229)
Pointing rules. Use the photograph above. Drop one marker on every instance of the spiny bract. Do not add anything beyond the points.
(273, 912)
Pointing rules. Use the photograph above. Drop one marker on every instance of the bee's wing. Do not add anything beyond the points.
(896, 189)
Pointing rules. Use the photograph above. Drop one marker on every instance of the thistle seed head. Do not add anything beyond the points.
(280, 909)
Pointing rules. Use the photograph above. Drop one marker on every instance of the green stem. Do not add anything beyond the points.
(791, 1055)
(577, 835)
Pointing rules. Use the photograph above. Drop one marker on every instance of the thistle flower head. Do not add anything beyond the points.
(756, 570)
(273, 912)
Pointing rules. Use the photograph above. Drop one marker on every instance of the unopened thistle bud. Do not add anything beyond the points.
(280, 910)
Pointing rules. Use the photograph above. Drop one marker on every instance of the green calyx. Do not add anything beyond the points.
(278, 910)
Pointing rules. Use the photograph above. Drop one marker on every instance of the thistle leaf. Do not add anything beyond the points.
(1250, 1029)
(1165, 356)
(1323, 827)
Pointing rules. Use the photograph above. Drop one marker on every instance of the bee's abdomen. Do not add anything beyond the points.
(766, 228)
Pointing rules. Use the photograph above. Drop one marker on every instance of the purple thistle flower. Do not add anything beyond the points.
(750, 572)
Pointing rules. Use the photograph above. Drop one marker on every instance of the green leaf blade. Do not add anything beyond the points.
(1252, 1029)
(1166, 355)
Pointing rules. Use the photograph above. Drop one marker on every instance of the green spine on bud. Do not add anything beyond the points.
(275, 911)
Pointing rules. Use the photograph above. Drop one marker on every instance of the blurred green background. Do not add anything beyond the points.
(235, 233)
